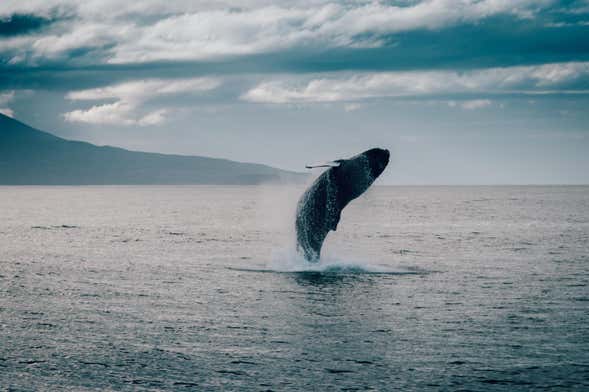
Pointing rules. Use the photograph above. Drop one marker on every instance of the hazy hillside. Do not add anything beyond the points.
(30, 156)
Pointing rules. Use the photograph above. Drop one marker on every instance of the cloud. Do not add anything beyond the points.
(129, 98)
(140, 90)
(543, 79)
(157, 30)
(471, 104)
(18, 24)
(350, 107)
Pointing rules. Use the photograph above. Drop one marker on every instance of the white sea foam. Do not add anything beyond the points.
(289, 260)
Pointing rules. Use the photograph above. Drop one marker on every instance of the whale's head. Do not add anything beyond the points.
(378, 159)
(356, 174)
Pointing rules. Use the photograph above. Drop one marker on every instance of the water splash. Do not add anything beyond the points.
(291, 261)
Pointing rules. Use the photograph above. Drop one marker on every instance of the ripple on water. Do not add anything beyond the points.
(81, 312)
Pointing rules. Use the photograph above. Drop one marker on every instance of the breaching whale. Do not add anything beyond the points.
(320, 207)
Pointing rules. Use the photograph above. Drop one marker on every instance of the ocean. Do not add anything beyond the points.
(145, 288)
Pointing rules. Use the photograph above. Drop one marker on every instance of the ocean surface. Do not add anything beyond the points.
(199, 288)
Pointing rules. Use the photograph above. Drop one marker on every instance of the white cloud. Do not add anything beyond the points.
(81, 35)
(216, 33)
(184, 30)
(118, 113)
(543, 79)
(350, 107)
(153, 118)
(129, 98)
(142, 90)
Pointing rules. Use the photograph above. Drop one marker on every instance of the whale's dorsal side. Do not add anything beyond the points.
(319, 208)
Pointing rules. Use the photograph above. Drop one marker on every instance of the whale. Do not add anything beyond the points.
(320, 207)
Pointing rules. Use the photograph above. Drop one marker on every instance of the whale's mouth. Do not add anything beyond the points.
(385, 160)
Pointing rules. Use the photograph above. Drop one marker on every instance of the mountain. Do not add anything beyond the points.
(32, 157)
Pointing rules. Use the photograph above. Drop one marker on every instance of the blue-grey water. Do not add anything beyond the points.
(198, 288)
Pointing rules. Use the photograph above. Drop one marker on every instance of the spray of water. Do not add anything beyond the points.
(277, 208)
(285, 260)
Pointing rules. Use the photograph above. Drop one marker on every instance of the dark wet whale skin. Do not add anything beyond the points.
(319, 208)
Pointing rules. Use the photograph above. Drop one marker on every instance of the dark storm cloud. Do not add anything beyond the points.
(18, 24)
(500, 41)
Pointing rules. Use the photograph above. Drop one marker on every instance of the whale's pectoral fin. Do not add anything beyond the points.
(335, 163)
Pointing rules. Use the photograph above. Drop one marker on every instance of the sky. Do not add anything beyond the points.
(460, 91)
